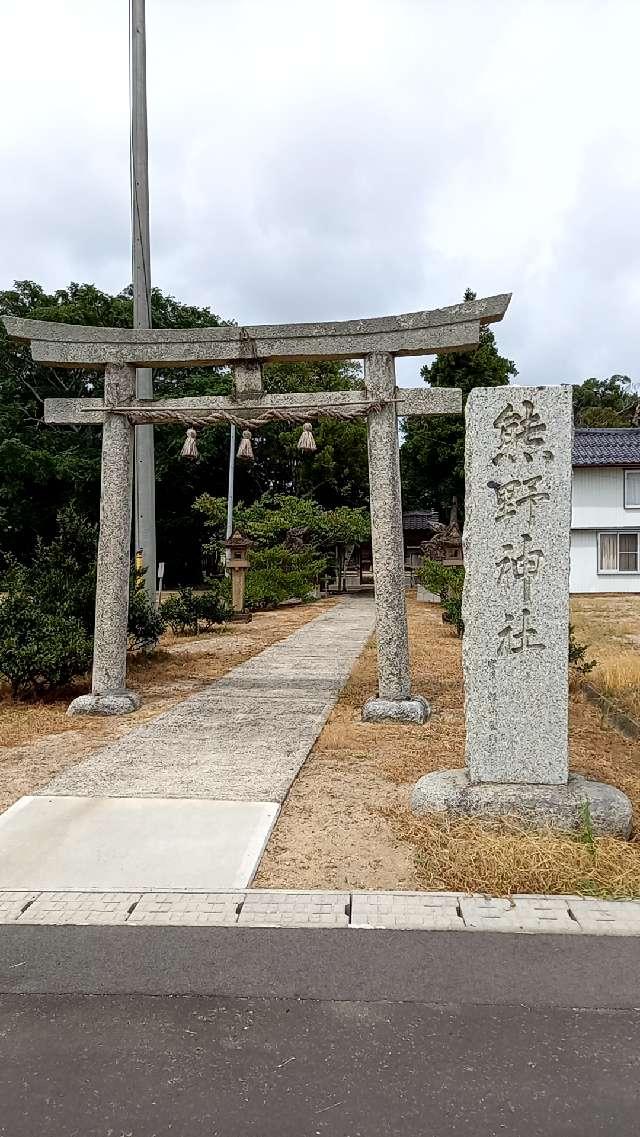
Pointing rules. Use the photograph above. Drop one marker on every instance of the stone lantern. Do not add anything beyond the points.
(237, 565)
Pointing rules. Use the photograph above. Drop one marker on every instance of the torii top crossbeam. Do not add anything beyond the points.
(120, 350)
(414, 333)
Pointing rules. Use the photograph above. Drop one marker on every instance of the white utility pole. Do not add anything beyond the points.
(145, 483)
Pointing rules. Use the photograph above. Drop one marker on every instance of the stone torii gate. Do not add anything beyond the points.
(245, 350)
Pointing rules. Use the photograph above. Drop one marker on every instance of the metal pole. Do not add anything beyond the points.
(145, 486)
(232, 466)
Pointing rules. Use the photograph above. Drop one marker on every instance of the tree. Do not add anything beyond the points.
(344, 528)
(432, 451)
(43, 469)
(606, 402)
(273, 520)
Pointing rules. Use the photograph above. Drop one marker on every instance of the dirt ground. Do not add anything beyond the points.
(347, 823)
(38, 740)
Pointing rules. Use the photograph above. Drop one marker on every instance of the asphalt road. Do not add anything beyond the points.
(142, 1066)
(339, 1033)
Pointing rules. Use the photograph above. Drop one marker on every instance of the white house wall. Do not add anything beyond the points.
(598, 500)
(584, 567)
(598, 505)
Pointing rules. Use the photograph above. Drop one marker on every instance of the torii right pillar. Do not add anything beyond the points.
(394, 702)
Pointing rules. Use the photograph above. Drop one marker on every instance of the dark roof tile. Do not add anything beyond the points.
(606, 446)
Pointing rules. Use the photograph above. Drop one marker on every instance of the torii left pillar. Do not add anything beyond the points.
(109, 694)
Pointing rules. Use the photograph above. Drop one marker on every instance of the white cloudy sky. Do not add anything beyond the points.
(339, 158)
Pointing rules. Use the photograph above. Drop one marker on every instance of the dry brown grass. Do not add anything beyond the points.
(504, 859)
(38, 741)
(610, 625)
(347, 822)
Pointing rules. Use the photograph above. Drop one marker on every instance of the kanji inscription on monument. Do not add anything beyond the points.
(516, 597)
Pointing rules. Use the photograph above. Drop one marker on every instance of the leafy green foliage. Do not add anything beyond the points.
(146, 624)
(43, 468)
(268, 520)
(48, 610)
(39, 651)
(188, 611)
(606, 402)
(327, 532)
(61, 578)
(432, 452)
(447, 581)
(278, 574)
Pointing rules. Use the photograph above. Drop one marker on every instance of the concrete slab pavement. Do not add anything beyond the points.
(88, 844)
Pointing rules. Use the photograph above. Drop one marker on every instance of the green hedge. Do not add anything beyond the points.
(280, 574)
(40, 650)
(46, 617)
(188, 612)
(447, 581)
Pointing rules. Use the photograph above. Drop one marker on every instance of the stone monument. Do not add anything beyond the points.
(516, 616)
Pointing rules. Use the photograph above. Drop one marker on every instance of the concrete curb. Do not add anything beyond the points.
(621, 721)
(266, 908)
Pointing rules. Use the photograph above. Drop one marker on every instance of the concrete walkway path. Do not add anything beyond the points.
(245, 737)
(188, 801)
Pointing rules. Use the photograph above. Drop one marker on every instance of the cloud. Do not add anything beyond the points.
(328, 160)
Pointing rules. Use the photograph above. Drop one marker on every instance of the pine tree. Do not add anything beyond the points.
(432, 452)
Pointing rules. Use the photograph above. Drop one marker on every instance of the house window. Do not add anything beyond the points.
(618, 552)
(632, 489)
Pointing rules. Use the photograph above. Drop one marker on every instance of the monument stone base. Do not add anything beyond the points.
(117, 703)
(539, 807)
(414, 711)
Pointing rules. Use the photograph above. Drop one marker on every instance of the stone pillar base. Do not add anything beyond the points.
(539, 807)
(117, 703)
(413, 711)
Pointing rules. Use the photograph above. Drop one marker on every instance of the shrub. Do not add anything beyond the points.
(280, 574)
(180, 613)
(432, 576)
(577, 653)
(447, 581)
(188, 609)
(146, 625)
(62, 577)
(213, 606)
(40, 650)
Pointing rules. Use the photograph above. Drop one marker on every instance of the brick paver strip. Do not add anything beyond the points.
(294, 909)
(520, 914)
(272, 908)
(13, 903)
(201, 909)
(80, 908)
(405, 910)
